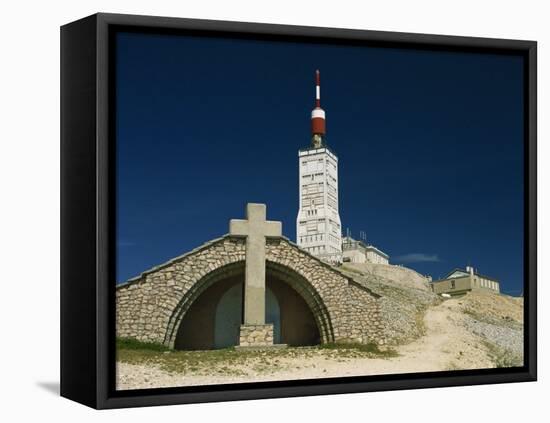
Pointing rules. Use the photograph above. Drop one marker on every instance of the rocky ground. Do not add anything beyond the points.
(425, 333)
(405, 297)
(498, 321)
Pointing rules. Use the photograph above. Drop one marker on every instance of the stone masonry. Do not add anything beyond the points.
(150, 307)
(256, 335)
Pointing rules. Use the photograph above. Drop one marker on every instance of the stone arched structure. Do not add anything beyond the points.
(151, 306)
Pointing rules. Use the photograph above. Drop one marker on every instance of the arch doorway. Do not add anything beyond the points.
(227, 321)
(213, 319)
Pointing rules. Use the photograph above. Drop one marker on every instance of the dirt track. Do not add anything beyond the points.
(446, 345)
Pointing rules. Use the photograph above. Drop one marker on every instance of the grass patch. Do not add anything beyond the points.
(502, 357)
(223, 362)
(134, 344)
(235, 362)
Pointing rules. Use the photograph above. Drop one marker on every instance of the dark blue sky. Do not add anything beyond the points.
(429, 146)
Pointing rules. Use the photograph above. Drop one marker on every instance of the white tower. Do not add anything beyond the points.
(318, 227)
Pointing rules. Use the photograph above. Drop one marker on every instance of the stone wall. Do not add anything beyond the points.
(146, 305)
(151, 306)
(352, 308)
(363, 322)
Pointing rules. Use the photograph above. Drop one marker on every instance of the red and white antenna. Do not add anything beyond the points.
(317, 89)
(318, 114)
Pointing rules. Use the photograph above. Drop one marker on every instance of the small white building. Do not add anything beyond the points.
(354, 251)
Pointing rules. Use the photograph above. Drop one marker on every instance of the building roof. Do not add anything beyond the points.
(457, 269)
(350, 240)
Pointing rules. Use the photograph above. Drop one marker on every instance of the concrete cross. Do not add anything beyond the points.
(256, 229)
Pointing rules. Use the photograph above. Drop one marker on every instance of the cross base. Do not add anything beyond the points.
(256, 335)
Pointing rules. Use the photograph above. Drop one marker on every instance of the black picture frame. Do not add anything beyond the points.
(87, 213)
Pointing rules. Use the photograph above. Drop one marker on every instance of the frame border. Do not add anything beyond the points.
(87, 62)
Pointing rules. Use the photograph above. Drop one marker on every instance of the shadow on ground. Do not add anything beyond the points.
(51, 387)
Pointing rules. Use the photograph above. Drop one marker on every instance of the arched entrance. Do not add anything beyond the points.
(296, 323)
(228, 316)
(211, 317)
